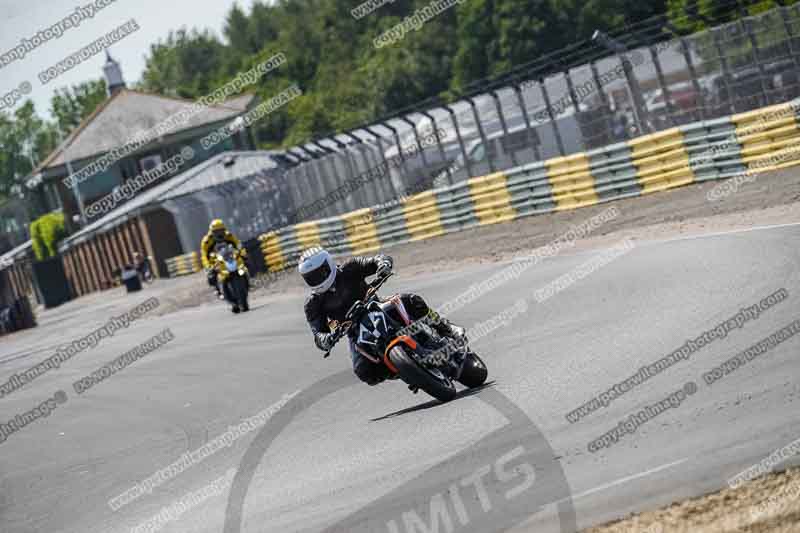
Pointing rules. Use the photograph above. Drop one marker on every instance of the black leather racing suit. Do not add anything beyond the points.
(333, 304)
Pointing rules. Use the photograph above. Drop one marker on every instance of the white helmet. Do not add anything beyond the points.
(318, 269)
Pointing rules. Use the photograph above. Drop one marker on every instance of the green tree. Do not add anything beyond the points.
(347, 81)
(25, 141)
(237, 31)
(606, 15)
(70, 105)
(476, 50)
(184, 65)
(525, 30)
(695, 16)
(17, 157)
(262, 26)
(10, 150)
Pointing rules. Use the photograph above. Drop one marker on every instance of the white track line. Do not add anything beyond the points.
(722, 233)
(642, 242)
(623, 480)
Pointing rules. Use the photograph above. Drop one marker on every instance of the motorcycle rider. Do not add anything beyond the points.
(142, 265)
(217, 234)
(334, 289)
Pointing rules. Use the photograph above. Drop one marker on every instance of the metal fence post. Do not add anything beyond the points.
(399, 152)
(726, 73)
(416, 139)
(366, 148)
(665, 92)
(479, 126)
(521, 101)
(356, 197)
(257, 189)
(693, 73)
(313, 180)
(784, 12)
(598, 83)
(438, 141)
(756, 55)
(304, 163)
(556, 132)
(604, 101)
(316, 178)
(634, 90)
(639, 106)
(384, 162)
(460, 141)
(503, 124)
(571, 90)
(332, 165)
(364, 191)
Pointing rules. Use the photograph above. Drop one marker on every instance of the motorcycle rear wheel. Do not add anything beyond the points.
(441, 388)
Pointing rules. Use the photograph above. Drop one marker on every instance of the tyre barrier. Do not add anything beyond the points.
(744, 144)
(182, 265)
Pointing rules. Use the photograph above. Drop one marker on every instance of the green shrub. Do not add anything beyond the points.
(36, 239)
(46, 232)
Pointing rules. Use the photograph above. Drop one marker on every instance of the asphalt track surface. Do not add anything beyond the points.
(372, 455)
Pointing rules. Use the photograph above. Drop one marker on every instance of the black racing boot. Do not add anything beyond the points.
(445, 328)
(456, 335)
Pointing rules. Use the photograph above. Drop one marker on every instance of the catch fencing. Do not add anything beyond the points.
(565, 132)
(733, 68)
(741, 146)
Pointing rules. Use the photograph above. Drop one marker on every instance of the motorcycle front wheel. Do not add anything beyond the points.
(474, 371)
(431, 381)
(240, 289)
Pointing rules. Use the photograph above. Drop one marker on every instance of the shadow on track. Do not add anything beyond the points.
(433, 403)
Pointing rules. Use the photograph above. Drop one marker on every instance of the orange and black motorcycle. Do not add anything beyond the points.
(383, 332)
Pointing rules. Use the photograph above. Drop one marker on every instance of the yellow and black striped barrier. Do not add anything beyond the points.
(762, 140)
(182, 265)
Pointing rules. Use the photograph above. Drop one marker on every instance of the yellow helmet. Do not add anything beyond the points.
(218, 230)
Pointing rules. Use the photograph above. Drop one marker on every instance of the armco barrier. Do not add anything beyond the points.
(748, 143)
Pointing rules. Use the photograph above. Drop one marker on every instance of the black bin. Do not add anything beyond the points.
(131, 280)
(51, 282)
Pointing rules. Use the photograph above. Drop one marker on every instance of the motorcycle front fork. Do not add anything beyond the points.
(455, 363)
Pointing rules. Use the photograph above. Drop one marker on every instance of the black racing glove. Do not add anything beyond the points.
(384, 268)
(324, 341)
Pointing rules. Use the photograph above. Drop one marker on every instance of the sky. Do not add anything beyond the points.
(155, 18)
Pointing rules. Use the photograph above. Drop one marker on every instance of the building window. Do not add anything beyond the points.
(128, 169)
(150, 162)
(53, 199)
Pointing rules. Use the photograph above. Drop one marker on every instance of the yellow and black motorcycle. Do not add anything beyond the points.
(233, 276)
